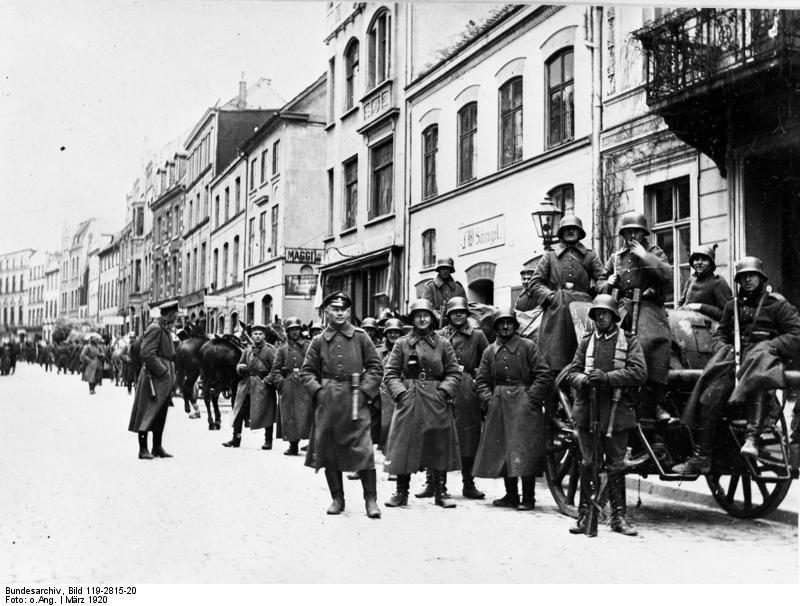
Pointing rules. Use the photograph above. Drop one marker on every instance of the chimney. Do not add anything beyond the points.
(242, 102)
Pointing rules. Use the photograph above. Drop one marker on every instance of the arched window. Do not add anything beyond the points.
(235, 266)
(215, 270)
(428, 248)
(563, 196)
(430, 148)
(266, 309)
(224, 264)
(511, 122)
(350, 74)
(467, 150)
(379, 37)
(560, 98)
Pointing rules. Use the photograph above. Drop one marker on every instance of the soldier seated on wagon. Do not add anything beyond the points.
(769, 336)
(705, 292)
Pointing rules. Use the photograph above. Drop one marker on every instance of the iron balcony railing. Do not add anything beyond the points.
(688, 48)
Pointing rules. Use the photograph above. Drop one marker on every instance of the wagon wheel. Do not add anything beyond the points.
(744, 496)
(563, 457)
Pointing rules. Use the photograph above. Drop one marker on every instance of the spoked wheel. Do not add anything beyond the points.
(563, 458)
(756, 489)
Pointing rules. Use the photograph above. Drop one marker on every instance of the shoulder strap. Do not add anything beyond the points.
(755, 318)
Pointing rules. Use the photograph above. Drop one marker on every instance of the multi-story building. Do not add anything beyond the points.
(93, 284)
(14, 272)
(167, 210)
(125, 273)
(74, 275)
(497, 124)
(286, 211)
(51, 294)
(35, 293)
(137, 305)
(210, 147)
(110, 286)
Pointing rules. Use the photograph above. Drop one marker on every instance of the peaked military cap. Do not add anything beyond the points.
(169, 307)
(337, 298)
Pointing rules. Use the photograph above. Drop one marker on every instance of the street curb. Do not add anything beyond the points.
(637, 485)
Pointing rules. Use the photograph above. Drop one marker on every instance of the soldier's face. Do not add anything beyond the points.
(258, 337)
(337, 315)
(570, 235)
(526, 278)
(701, 264)
(632, 234)
(371, 332)
(603, 319)
(422, 320)
(750, 281)
(505, 328)
(458, 318)
(293, 333)
(444, 272)
(392, 336)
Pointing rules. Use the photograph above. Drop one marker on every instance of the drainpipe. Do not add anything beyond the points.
(595, 18)
(405, 295)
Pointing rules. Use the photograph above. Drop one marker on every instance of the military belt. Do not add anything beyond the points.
(338, 377)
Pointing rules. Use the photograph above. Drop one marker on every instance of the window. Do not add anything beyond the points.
(331, 89)
(264, 165)
(235, 266)
(139, 212)
(430, 146)
(350, 193)
(251, 240)
(216, 211)
(275, 149)
(330, 201)
(467, 151)
(560, 98)
(253, 173)
(380, 46)
(175, 284)
(227, 203)
(274, 235)
(187, 273)
(511, 122)
(563, 197)
(191, 212)
(237, 195)
(668, 213)
(350, 74)
(138, 276)
(193, 284)
(215, 270)
(382, 167)
(266, 309)
(225, 264)
(202, 277)
(262, 236)
(429, 248)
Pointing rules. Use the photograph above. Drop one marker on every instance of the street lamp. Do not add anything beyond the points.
(545, 219)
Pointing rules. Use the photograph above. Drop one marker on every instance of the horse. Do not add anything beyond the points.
(218, 372)
(188, 364)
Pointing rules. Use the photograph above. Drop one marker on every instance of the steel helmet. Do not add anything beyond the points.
(292, 322)
(705, 251)
(392, 324)
(571, 221)
(505, 313)
(445, 262)
(316, 325)
(456, 303)
(369, 323)
(604, 302)
(748, 264)
(633, 221)
(420, 305)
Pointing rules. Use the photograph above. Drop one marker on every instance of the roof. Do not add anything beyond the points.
(259, 95)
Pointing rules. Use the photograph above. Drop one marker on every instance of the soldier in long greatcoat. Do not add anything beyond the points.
(564, 274)
(609, 363)
(92, 358)
(513, 382)
(639, 267)
(342, 365)
(392, 331)
(154, 385)
(422, 375)
(295, 403)
(255, 395)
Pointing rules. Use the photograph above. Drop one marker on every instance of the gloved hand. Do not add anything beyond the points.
(597, 377)
(548, 300)
(613, 279)
(443, 395)
(581, 382)
(692, 307)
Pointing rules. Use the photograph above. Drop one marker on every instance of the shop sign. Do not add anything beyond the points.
(482, 235)
(215, 301)
(301, 285)
(312, 256)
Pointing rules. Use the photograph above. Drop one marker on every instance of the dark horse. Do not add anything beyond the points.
(219, 357)
(188, 364)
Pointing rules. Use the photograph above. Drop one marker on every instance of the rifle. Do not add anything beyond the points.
(593, 505)
(355, 382)
(737, 339)
(616, 395)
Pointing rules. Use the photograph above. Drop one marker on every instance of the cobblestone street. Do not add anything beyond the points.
(78, 506)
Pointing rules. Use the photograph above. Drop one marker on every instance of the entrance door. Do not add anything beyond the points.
(772, 218)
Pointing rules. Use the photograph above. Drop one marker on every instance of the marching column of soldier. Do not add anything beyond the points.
(449, 400)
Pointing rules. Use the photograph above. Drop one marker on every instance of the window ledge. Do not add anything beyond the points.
(349, 112)
(379, 219)
(329, 238)
(330, 125)
(349, 230)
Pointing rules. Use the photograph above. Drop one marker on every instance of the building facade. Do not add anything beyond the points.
(109, 287)
(14, 273)
(51, 295)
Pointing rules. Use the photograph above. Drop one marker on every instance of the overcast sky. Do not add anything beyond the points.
(88, 87)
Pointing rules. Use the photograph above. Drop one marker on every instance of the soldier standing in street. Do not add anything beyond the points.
(443, 287)
(608, 361)
(639, 273)
(705, 292)
(422, 375)
(92, 358)
(342, 373)
(392, 331)
(513, 382)
(526, 301)
(469, 344)
(154, 385)
(769, 336)
(370, 326)
(295, 403)
(255, 394)
(564, 274)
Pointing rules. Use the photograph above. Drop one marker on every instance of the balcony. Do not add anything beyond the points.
(377, 104)
(709, 69)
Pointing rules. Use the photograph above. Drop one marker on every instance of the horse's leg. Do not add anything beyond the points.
(207, 395)
(189, 397)
(217, 419)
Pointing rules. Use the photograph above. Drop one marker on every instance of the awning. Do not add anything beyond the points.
(376, 257)
(388, 255)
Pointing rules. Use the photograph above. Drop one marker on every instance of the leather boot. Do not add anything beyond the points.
(469, 491)
(528, 491)
(441, 498)
(292, 451)
(334, 478)
(428, 490)
(369, 482)
(616, 485)
(234, 442)
(700, 461)
(400, 497)
(754, 424)
(583, 503)
(143, 452)
(511, 498)
(158, 450)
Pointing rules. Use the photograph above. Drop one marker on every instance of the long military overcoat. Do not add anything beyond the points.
(92, 359)
(651, 275)
(386, 402)
(294, 402)
(255, 383)
(156, 377)
(513, 381)
(336, 440)
(567, 273)
(423, 431)
(468, 344)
